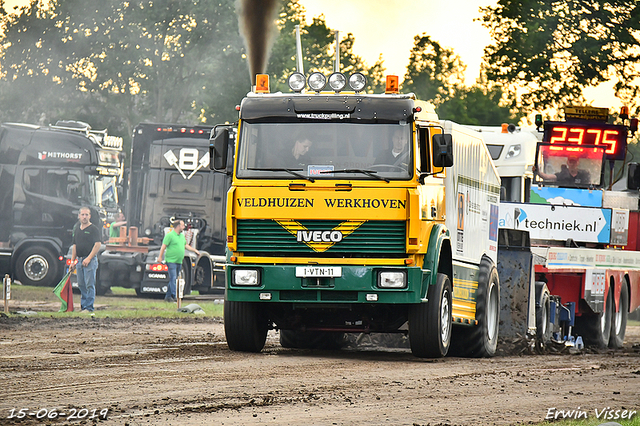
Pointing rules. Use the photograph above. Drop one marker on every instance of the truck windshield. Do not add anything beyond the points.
(325, 151)
(59, 184)
(569, 165)
(105, 189)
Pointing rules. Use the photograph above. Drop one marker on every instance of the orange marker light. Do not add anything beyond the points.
(262, 83)
(392, 84)
(624, 112)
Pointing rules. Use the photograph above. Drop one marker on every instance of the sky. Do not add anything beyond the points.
(387, 28)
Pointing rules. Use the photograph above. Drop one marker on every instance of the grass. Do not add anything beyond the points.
(594, 421)
(122, 304)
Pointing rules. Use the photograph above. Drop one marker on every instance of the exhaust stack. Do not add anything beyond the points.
(256, 19)
(336, 67)
(299, 64)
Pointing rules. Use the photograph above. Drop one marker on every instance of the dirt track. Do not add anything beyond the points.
(157, 372)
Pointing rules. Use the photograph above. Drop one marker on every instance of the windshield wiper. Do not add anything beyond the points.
(290, 171)
(371, 173)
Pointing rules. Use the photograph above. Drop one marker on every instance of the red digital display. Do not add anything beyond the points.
(612, 137)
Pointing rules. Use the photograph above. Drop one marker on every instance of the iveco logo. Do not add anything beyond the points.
(320, 241)
(319, 236)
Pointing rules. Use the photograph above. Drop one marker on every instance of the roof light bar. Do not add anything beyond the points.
(337, 81)
(357, 81)
(317, 81)
(297, 82)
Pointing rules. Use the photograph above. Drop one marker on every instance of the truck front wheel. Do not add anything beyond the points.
(619, 324)
(430, 323)
(245, 326)
(37, 266)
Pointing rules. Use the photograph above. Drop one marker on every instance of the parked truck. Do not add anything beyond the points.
(169, 179)
(329, 232)
(583, 234)
(46, 174)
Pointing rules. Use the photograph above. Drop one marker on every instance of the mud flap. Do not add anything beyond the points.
(517, 286)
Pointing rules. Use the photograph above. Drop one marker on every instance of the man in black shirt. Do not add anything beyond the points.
(86, 244)
(398, 155)
(569, 174)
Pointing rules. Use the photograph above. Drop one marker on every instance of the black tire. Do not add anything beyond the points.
(185, 272)
(37, 266)
(288, 339)
(245, 327)
(481, 340)
(101, 290)
(619, 323)
(294, 339)
(595, 329)
(430, 323)
(543, 318)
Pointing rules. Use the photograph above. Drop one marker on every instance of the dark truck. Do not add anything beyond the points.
(46, 174)
(170, 179)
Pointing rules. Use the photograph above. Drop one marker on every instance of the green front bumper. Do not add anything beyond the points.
(357, 284)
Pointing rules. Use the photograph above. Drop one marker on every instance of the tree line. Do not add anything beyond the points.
(115, 63)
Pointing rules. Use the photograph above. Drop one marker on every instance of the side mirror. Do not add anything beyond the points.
(442, 150)
(218, 149)
(633, 176)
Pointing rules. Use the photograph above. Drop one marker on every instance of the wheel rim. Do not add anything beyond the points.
(492, 312)
(545, 314)
(36, 267)
(603, 317)
(445, 313)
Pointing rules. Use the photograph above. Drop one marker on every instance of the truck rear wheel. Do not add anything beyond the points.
(37, 266)
(543, 315)
(430, 323)
(245, 327)
(482, 340)
(596, 329)
(619, 323)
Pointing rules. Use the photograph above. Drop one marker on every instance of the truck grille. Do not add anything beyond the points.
(371, 238)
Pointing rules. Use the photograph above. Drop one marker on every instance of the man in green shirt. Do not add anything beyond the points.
(114, 229)
(174, 244)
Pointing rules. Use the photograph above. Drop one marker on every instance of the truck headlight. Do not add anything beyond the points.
(392, 279)
(246, 277)
(514, 151)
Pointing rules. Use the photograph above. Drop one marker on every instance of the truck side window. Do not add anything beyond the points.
(59, 184)
(424, 149)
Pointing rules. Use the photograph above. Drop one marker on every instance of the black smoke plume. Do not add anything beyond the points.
(257, 19)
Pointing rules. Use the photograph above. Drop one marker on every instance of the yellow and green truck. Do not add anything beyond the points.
(352, 212)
